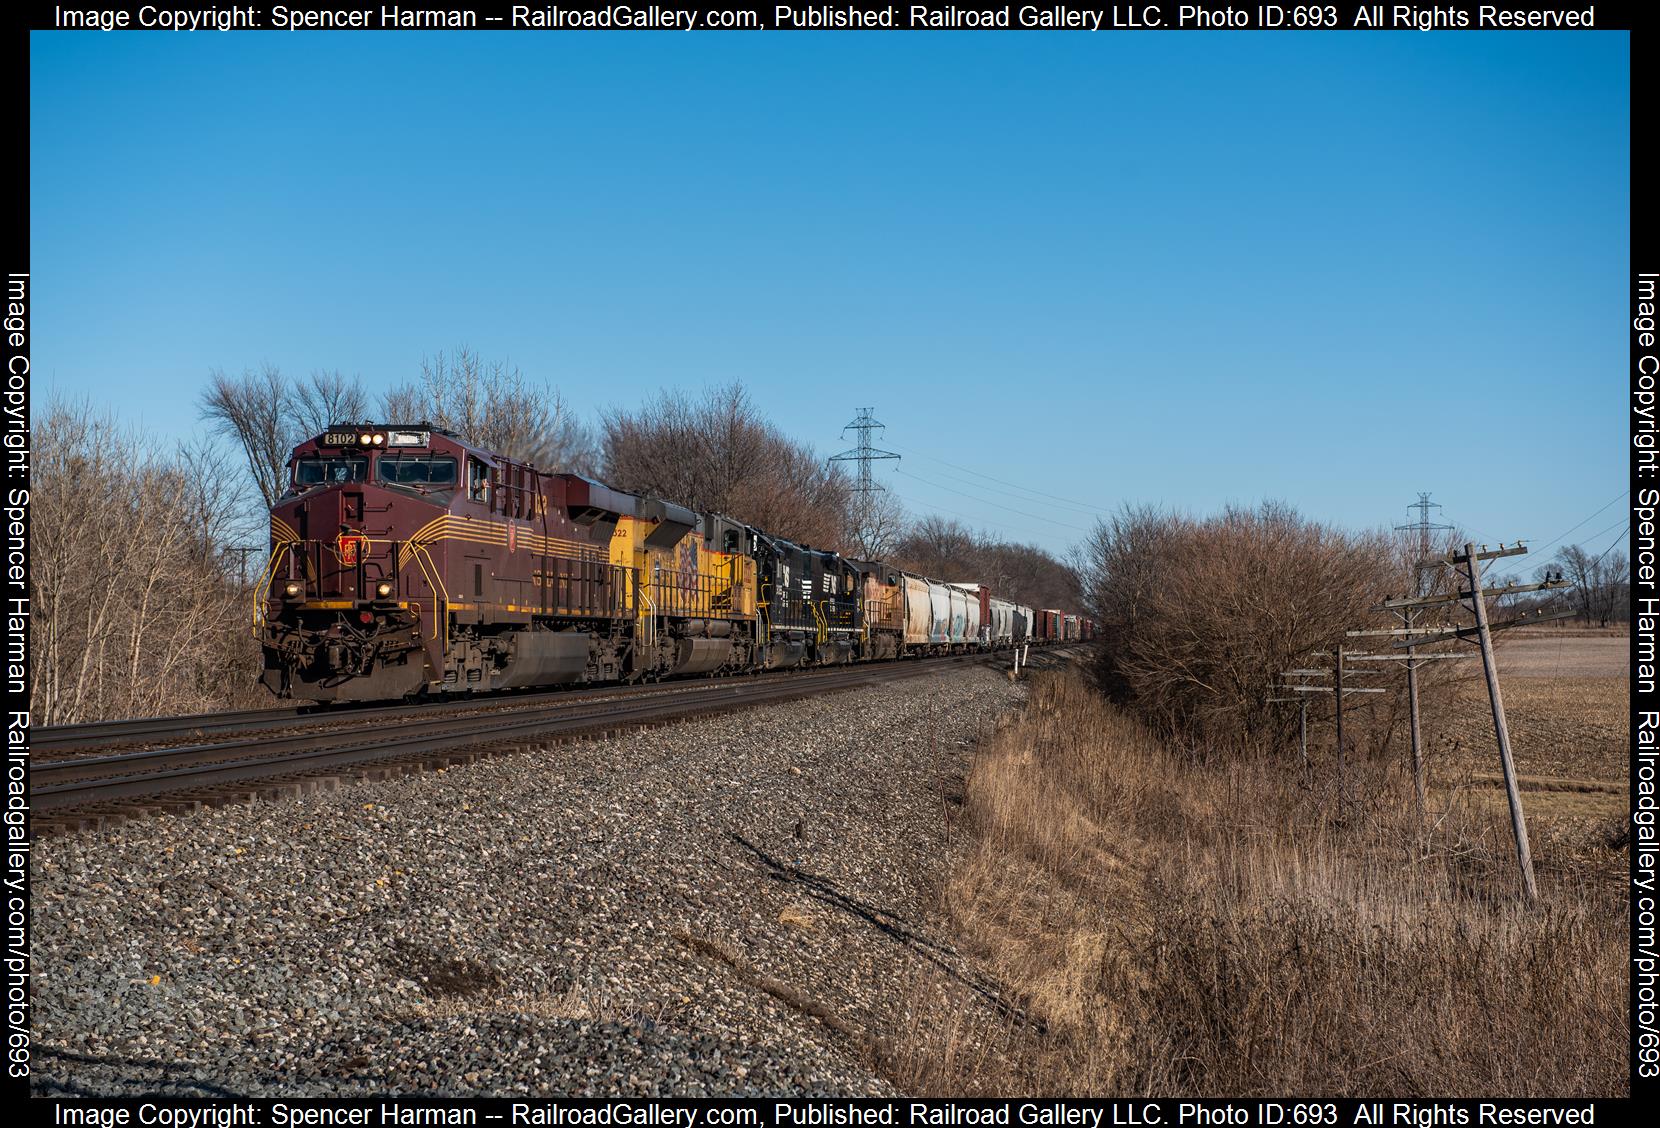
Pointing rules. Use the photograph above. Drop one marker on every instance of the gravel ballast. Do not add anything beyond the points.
(725, 906)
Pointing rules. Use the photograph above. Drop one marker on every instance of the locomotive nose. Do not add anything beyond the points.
(349, 543)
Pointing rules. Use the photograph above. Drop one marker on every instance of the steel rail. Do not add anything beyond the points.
(205, 766)
(527, 708)
(94, 734)
(254, 720)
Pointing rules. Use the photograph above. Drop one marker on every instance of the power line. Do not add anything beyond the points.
(1599, 532)
(1560, 536)
(1619, 538)
(915, 504)
(984, 501)
(1016, 497)
(1083, 505)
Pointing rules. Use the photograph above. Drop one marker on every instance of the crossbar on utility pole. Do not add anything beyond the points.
(1517, 549)
(1454, 597)
(1328, 689)
(1518, 822)
(1338, 691)
(1475, 631)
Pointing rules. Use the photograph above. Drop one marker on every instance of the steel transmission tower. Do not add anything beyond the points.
(1423, 526)
(864, 454)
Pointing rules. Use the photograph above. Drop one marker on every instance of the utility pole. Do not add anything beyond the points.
(1518, 824)
(1412, 637)
(1302, 728)
(1339, 668)
(864, 424)
(1412, 715)
(242, 551)
(1412, 659)
(1338, 692)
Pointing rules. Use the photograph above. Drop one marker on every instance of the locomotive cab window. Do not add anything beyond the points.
(438, 472)
(478, 480)
(310, 472)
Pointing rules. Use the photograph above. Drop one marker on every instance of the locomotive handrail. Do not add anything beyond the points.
(649, 633)
(262, 592)
(441, 594)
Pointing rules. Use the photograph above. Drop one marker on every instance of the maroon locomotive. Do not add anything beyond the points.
(405, 559)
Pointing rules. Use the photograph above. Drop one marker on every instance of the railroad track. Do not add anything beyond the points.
(88, 792)
(67, 739)
(61, 740)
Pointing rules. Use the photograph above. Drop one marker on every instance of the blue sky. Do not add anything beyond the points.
(1185, 269)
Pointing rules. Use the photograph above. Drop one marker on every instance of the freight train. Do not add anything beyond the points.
(407, 562)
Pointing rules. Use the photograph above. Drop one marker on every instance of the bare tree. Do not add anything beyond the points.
(717, 453)
(1601, 584)
(221, 513)
(135, 611)
(493, 404)
(254, 410)
(265, 415)
(938, 547)
(325, 398)
(946, 549)
(876, 521)
(1199, 617)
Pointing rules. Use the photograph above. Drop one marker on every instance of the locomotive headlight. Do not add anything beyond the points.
(383, 589)
(365, 438)
(292, 590)
(379, 440)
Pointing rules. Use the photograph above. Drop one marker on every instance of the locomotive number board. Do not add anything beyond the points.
(339, 438)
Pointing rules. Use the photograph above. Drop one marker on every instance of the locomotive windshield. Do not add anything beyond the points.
(416, 471)
(316, 471)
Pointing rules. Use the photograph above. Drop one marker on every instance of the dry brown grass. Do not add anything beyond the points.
(1165, 926)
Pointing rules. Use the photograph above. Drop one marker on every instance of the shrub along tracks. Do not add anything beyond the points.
(266, 761)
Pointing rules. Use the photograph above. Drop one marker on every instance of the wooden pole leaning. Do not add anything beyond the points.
(1518, 822)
